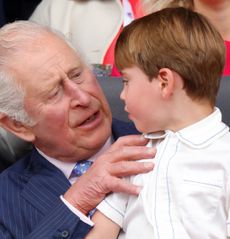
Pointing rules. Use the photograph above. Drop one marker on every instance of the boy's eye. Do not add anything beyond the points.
(125, 82)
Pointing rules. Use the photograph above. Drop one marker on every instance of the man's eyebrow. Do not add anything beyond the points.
(50, 86)
(73, 71)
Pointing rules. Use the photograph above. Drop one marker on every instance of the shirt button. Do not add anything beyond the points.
(65, 234)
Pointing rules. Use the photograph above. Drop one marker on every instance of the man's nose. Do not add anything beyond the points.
(79, 96)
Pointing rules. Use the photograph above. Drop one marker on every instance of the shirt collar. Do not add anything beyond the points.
(205, 131)
(67, 167)
(157, 135)
(200, 134)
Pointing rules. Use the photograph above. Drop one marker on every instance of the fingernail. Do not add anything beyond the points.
(143, 137)
(148, 165)
(151, 150)
(138, 190)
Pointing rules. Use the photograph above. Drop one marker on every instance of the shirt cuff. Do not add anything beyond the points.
(111, 212)
(82, 217)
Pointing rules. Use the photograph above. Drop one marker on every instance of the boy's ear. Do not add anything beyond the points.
(17, 128)
(166, 80)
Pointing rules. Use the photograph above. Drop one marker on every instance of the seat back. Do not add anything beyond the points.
(11, 148)
(223, 99)
(112, 87)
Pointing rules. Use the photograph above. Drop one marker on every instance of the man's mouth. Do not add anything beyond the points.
(90, 119)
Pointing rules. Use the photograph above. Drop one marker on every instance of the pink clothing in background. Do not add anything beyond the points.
(109, 56)
(226, 71)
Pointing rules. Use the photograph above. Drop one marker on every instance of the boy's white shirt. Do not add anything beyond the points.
(187, 195)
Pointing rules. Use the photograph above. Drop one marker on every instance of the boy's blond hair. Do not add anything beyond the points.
(178, 39)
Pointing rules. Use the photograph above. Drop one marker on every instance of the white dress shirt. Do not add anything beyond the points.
(187, 195)
(67, 168)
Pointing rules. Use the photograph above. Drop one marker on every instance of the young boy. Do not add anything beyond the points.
(171, 62)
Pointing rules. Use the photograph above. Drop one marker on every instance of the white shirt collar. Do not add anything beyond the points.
(200, 134)
(67, 167)
(204, 132)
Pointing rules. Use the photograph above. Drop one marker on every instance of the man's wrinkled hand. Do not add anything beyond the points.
(107, 172)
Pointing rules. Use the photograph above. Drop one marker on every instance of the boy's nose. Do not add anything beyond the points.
(122, 95)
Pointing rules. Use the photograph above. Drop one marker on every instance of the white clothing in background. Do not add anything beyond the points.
(91, 25)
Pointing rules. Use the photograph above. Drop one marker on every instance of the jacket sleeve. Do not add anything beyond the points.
(59, 223)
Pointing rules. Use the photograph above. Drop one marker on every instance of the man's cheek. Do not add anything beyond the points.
(56, 118)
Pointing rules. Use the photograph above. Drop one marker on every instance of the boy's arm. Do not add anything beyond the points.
(104, 228)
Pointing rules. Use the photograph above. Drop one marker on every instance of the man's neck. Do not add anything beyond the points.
(67, 167)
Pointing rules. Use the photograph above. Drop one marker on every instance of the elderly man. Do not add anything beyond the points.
(50, 97)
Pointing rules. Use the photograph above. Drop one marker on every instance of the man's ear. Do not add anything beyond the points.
(17, 128)
(166, 80)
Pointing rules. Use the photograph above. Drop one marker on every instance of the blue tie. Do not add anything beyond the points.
(80, 168)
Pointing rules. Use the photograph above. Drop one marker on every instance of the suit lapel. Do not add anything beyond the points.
(44, 183)
(121, 128)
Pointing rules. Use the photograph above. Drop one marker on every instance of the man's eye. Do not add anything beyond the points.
(77, 78)
(55, 94)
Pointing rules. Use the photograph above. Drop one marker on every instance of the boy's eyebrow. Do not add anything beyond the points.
(123, 72)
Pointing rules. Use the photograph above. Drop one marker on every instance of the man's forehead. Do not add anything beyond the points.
(49, 58)
(44, 62)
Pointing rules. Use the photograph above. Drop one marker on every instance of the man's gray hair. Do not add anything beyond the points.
(14, 39)
(12, 98)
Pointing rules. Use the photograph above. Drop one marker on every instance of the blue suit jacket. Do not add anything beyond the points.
(30, 206)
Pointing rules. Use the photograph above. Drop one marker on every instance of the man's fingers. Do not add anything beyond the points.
(128, 168)
(119, 185)
(130, 140)
(131, 153)
(107, 172)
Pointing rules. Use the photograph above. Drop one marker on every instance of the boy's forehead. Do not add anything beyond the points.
(132, 71)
